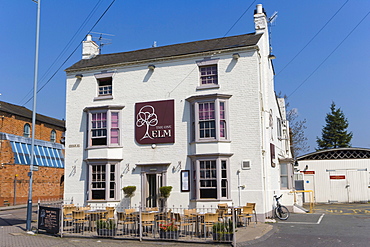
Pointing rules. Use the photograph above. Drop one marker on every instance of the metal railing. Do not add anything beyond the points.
(206, 224)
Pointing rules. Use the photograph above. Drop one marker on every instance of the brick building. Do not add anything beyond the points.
(15, 149)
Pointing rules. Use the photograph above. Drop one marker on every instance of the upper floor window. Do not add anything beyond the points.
(208, 73)
(105, 85)
(210, 117)
(27, 130)
(279, 128)
(53, 136)
(104, 126)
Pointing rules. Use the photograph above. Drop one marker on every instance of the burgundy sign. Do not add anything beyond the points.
(155, 122)
(337, 177)
(308, 172)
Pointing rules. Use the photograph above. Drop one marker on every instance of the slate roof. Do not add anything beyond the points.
(24, 112)
(168, 51)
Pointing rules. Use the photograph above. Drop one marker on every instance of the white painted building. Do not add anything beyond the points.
(200, 116)
(337, 175)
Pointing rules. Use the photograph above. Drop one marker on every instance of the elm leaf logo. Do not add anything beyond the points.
(146, 116)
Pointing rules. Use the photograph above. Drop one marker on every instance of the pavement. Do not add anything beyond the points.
(15, 235)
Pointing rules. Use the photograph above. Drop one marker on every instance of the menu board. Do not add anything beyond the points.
(49, 219)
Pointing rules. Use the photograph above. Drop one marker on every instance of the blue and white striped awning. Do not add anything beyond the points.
(47, 154)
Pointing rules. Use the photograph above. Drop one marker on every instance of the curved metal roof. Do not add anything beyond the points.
(337, 153)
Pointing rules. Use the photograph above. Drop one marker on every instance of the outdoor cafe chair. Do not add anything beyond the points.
(79, 220)
(148, 221)
(110, 212)
(253, 204)
(208, 220)
(246, 214)
(126, 221)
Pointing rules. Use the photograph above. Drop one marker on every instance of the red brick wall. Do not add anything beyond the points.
(46, 182)
(14, 125)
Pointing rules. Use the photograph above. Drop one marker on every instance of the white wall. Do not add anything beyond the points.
(249, 80)
(331, 190)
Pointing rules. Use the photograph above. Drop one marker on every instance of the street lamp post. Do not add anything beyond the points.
(29, 203)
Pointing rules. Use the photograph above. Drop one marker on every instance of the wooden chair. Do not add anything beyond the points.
(246, 214)
(152, 209)
(223, 210)
(253, 204)
(208, 220)
(84, 208)
(122, 219)
(79, 220)
(148, 220)
(67, 215)
(182, 223)
(110, 213)
(164, 217)
(67, 209)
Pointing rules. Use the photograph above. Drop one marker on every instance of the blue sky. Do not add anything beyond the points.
(334, 66)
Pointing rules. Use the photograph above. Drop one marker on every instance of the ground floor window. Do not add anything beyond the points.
(211, 178)
(286, 176)
(103, 180)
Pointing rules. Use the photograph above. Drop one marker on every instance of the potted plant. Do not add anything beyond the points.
(169, 230)
(165, 193)
(106, 228)
(129, 191)
(223, 231)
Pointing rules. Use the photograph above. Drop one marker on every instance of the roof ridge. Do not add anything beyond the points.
(25, 112)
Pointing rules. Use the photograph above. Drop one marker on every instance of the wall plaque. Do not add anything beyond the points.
(155, 122)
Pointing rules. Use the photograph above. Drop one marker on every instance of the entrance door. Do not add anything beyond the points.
(338, 188)
(154, 181)
(356, 185)
(309, 184)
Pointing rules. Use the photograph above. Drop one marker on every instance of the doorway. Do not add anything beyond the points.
(153, 183)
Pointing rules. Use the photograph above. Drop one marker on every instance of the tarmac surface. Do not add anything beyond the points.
(12, 232)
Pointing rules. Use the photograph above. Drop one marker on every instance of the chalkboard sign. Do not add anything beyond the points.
(49, 219)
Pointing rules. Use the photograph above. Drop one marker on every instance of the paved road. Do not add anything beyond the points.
(332, 225)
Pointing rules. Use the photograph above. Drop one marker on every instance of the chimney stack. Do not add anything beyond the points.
(90, 49)
(260, 20)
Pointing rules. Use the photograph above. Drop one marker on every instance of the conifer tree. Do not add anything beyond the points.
(335, 134)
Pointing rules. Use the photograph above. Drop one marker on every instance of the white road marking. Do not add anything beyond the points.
(304, 223)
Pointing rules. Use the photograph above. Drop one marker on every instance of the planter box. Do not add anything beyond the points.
(169, 234)
(223, 237)
(107, 232)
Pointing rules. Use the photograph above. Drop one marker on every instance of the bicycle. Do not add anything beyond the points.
(281, 211)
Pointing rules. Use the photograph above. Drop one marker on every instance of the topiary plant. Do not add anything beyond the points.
(129, 191)
(165, 191)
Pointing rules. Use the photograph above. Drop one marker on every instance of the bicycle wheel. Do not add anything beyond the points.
(282, 213)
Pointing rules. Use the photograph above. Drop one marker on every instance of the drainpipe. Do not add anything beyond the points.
(15, 190)
(266, 209)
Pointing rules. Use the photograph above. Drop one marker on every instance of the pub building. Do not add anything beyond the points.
(201, 117)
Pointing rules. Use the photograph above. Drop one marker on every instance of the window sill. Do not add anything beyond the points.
(103, 97)
(210, 200)
(101, 201)
(204, 87)
(99, 147)
(210, 141)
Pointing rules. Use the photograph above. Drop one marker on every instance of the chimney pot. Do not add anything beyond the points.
(259, 9)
